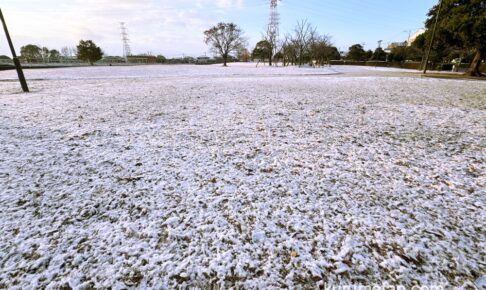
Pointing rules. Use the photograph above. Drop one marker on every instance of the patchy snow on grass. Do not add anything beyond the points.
(255, 178)
(157, 71)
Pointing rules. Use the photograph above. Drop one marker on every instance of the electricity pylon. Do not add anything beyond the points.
(273, 26)
(126, 41)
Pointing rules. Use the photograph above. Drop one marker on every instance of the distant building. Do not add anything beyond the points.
(113, 59)
(393, 45)
(397, 44)
(203, 60)
(407, 42)
(414, 36)
(142, 59)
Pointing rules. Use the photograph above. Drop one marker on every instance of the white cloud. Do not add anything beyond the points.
(229, 3)
(153, 26)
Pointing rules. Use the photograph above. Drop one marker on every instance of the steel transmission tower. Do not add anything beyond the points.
(125, 40)
(273, 24)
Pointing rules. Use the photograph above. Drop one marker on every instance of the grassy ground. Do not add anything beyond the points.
(452, 76)
(185, 177)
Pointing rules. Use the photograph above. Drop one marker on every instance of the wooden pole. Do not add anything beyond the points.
(432, 40)
(16, 61)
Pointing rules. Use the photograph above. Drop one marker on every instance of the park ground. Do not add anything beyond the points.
(256, 178)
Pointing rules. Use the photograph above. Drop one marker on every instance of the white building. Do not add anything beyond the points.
(414, 36)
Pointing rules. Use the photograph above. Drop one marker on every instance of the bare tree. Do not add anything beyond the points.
(288, 51)
(320, 49)
(271, 36)
(224, 38)
(45, 54)
(73, 51)
(304, 32)
(242, 54)
(65, 52)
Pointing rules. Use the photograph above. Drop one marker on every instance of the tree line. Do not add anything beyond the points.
(460, 27)
(86, 51)
(460, 34)
(302, 46)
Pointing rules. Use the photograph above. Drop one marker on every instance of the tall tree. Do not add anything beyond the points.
(271, 38)
(379, 54)
(65, 52)
(304, 34)
(30, 52)
(88, 51)
(462, 23)
(54, 55)
(333, 53)
(368, 54)
(161, 59)
(321, 50)
(289, 51)
(224, 38)
(262, 51)
(356, 53)
(243, 54)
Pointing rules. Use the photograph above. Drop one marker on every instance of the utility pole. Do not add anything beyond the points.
(409, 34)
(433, 36)
(16, 61)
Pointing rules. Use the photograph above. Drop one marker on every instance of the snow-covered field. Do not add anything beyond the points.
(257, 178)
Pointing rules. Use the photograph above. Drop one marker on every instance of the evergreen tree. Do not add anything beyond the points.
(30, 52)
(379, 54)
(262, 51)
(88, 51)
(461, 23)
(161, 59)
(357, 53)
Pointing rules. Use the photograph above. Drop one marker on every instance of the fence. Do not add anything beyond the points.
(6, 61)
(407, 65)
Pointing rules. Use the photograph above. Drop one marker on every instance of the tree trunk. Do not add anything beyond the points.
(225, 60)
(473, 69)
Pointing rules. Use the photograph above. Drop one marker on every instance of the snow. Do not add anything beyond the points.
(167, 71)
(186, 71)
(241, 177)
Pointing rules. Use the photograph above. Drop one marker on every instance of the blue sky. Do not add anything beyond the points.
(175, 28)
